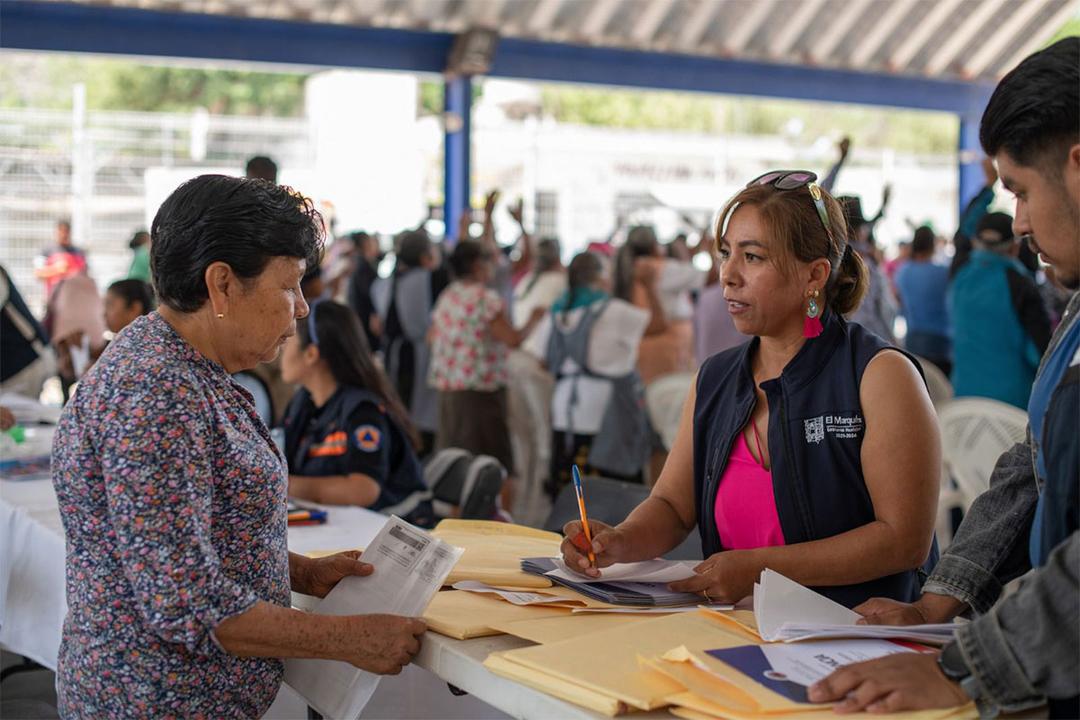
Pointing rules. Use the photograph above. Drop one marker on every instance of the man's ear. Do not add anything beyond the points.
(1072, 173)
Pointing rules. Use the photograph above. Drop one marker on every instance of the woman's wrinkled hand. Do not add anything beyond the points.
(382, 644)
(323, 574)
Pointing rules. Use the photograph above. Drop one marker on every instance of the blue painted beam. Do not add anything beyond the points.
(457, 147)
(608, 66)
(31, 25)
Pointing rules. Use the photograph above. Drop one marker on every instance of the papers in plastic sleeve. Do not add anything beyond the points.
(410, 566)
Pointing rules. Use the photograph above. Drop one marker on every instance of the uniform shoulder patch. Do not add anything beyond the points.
(368, 438)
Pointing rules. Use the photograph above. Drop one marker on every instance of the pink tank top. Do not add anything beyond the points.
(745, 509)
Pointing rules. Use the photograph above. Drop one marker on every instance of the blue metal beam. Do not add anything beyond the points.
(33, 25)
(457, 105)
(30, 25)
(608, 66)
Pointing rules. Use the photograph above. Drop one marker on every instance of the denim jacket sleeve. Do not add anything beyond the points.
(991, 546)
(1015, 651)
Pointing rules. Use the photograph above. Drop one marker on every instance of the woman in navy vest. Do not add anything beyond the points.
(348, 439)
(813, 449)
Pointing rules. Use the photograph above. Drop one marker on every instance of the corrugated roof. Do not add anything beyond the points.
(965, 39)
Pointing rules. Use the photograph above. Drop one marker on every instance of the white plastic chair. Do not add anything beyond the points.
(974, 434)
(664, 399)
(937, 383)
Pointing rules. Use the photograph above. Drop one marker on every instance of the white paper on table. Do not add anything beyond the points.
(806, 664)
(936, 634)
(410, 566)
(778, 600)
(653, 610)
(513, 596)
(654, 571)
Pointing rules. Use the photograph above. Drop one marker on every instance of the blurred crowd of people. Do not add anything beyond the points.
(503, 349)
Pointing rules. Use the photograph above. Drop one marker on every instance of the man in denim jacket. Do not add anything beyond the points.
(1022, 650)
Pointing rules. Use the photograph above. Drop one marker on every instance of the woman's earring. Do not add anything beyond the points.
(812, 321)
(221, 316)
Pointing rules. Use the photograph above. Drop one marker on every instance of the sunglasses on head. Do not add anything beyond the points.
(792, 180)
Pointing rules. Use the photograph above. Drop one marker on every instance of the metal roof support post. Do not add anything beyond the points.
(457, 151)
(969, 160)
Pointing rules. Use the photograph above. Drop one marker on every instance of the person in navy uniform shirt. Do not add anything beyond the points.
(348, 438)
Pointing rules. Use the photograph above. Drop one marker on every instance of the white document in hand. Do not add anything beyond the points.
(787, 611)
(778, 600)
(654, 571)
(410, 566)
(927, 634)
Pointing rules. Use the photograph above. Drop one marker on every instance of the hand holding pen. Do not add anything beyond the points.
(589, 544)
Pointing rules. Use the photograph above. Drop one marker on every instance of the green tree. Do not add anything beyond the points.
(630, 108)
(46, 81)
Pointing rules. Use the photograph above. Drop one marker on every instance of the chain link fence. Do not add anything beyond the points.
(103, 171)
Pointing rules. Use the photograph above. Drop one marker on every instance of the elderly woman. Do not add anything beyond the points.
(173, 494)
(813, 449)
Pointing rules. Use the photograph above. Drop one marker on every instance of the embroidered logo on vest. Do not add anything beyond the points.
(815, 429)
(840, 427)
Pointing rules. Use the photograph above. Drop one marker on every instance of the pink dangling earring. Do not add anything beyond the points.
(812, 322)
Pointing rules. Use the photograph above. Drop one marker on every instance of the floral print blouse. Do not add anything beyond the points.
(172, 495)
(464, 355)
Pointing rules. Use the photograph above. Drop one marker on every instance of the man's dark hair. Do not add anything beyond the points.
(923, 241)
(1036, 107)
(465, 256)
(243, 223)
(413, 245)
(64, 222)
(261, 167)
(134, 291)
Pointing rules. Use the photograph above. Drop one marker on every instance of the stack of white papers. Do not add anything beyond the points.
(657, 571)
(622, 591)
(786, 611)
(410, 567)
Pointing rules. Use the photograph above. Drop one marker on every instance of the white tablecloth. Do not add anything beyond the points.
(32, 604)
(32, 608)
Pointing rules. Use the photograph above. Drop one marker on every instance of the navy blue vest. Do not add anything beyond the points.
(405, 474)
(815, 438)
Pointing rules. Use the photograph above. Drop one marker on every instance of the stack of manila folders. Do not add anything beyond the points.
(707, 663)
(700, 662)
(509, 580)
